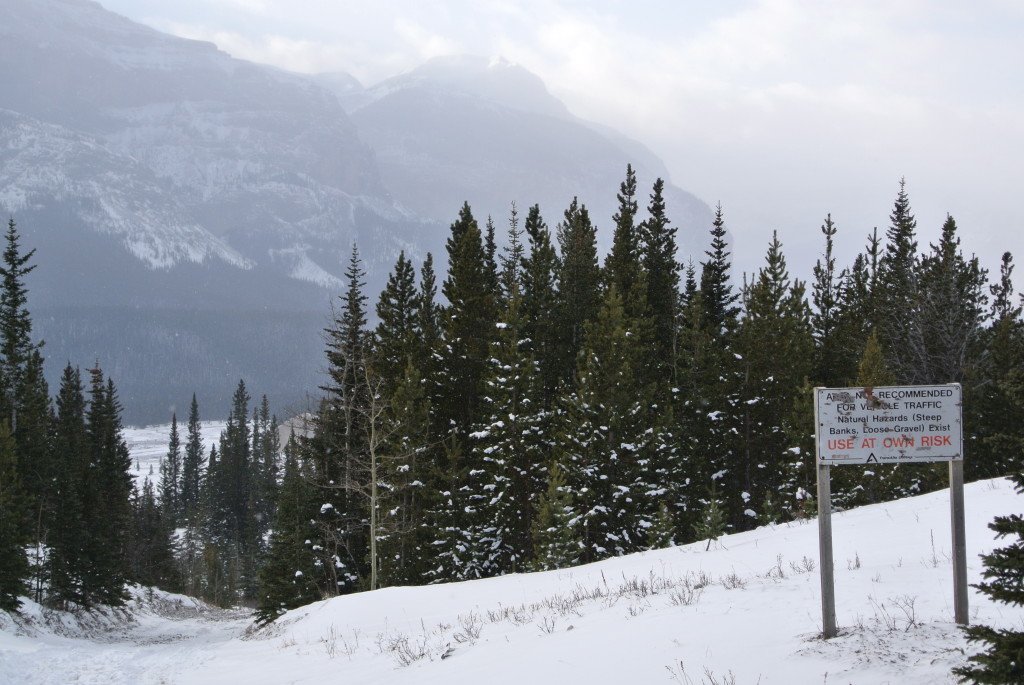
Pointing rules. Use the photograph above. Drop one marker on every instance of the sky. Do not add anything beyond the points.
(781, 110)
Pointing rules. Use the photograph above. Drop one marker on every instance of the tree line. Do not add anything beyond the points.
(549, 409)
(532, 408)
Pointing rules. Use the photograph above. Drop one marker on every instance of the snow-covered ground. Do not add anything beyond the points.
(747, 611)
(148, 445)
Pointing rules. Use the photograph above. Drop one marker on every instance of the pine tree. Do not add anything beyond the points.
(468, 324)
(776, 349)
(108, 495)
(540, 303)
(952, 307)
(555, 544)
(720, 309)
(170, 476)
(150, 552)
(658, 249)
(1003, 660)
(192, 466)
(711, 524)
(996, 413)
(605, 443)
(508, 447)
(13, 562)
(397, 331)
(16, 345)
(896, 295)
(579, 286)
(288, 579)
(825, 296)
(67, 558)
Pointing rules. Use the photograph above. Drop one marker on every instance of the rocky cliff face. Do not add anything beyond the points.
(158, 176)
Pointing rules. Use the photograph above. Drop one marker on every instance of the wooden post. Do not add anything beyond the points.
(956, 510)
(828, 593)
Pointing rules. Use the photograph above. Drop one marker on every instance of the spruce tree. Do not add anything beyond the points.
(825, 297)
(150, 551)
(508, 448)
(13, 562)
(1003, 659)
(67, 559)
(193, 464)
(555, 543)
(16, 345)
(996, 414)
(396, 335)
(720, 309)
(540, 313)
(775, 345)
(288, 579)
(658, 250)
(170, 476)
(108, 494)
(579, 285)
(468, 324)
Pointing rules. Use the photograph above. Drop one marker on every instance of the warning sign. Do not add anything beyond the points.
(889, 425)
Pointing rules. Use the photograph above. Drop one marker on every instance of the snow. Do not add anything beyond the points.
(148, 445)
(749, 607)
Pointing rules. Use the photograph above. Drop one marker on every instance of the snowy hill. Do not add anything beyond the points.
(746, 611)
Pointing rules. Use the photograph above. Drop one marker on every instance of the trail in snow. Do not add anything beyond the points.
(750, 608)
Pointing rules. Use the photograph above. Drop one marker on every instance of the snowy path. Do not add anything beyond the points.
(749, 607)
(165, 639)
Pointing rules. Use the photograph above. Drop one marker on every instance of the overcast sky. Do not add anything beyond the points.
(782, 110)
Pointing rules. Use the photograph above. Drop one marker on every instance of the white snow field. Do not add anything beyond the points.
(747, 611)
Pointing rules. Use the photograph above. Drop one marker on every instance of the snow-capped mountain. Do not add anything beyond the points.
(157, 174)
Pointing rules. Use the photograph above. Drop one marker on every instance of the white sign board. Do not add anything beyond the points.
(889, 425)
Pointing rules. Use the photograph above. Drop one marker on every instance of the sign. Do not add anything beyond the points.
(889, 425)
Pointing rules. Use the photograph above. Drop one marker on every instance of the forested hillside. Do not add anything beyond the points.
(528, 408)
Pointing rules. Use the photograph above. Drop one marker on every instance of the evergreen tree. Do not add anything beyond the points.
(192, 466)
(13, 562)
(405, 527)
(540, 303)
(16, 345)
(658, 248)
(397, 331)
(67, 557)
(720, 309)
(554, 543)
(605, 443)
(508, 448)
(1003, 660)
(108, 495)
(997, 415)
(468, 324)
(579, 291)
(339, 445)
(952, 308)
(825, 296)
(776, 349)
(170, 476)
(150, 552)
(288, 579)
(896, 294)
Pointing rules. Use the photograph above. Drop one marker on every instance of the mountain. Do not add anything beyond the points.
(488, 132)
(193, 213)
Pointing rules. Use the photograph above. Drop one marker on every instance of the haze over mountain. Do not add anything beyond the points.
(194, 213)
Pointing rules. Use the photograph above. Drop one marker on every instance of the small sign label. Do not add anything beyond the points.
(889, 425)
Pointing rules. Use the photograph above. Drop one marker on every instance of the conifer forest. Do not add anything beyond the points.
(525, 407)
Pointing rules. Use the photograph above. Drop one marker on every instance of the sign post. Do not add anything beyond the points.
(889, 425)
